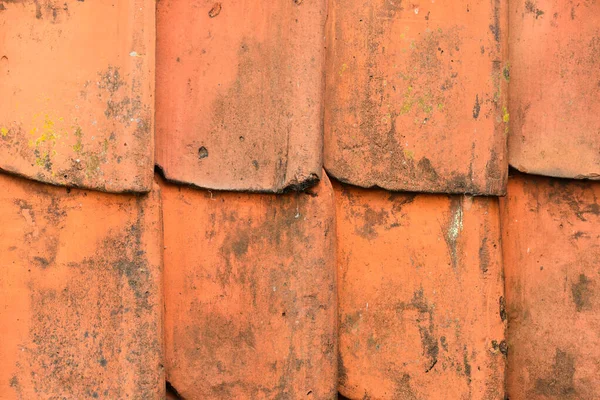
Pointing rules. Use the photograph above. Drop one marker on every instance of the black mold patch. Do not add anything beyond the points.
(476, 108)
(531, 8)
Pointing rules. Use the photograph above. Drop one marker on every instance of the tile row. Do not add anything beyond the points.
(234, 295)
(258, 96)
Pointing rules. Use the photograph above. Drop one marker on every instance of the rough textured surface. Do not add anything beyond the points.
(416, 95)
(421, 305)
(551, 236)
(80, 294)
(240, 106)
(77, 84)
(555, 87)
(250, 294)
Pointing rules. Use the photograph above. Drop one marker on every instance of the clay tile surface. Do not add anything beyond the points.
(250, 294)
(77, 84)
(416, 95)
(551, 236)
(555, 88)
(420, 296)
(240, 92)
(80, 294)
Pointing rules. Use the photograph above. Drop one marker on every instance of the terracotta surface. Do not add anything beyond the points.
(416, 95)
(239, 93)
(551, 236)
(250, 293)
(555, 87)
(77, 84)
(80, 294)
(420, 296)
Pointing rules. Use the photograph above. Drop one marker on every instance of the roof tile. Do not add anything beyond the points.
(551, 241)
(80, 293)
(420, 296)
(77, 84)
(250, 294)
(415, 95)
(555, 88)
(240, 92)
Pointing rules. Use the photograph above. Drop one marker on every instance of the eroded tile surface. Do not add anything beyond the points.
(551, 236)
(555, 88)
(416, 95)
(421, 304)
(250, 294)
(77, 92)
(240, 92)
(80, 293)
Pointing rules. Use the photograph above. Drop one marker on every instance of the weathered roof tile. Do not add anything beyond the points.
(250, 294)
(80, 293)
(420, 296)
(415, 97)
(240, 92)
(551, 245)
(77, 84)
(555, 88)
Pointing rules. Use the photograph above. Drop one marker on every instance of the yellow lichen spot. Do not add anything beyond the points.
(78, 146)
(409, 154)
(407, 104)
(343, 68)
(440, 106)
(4, 131)
(505, 115)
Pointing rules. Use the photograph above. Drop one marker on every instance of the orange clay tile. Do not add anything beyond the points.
(420, 296)
(555, 87)
(240, 92)
(551, 236)
(76, 92)
(250, 294)
(80, 294)
(416, 95)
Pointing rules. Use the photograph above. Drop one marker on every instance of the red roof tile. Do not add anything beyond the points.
(239, 90)
(80, 293)
(416, 95)
(250, 294)
(555, 88)
(420, 296)
(551, 243)
(77, 84)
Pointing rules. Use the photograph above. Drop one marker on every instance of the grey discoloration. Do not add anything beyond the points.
(429, 341)
(484, 255)
(372, 219)
(582, 293)
(559, 382)
(404, 389)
